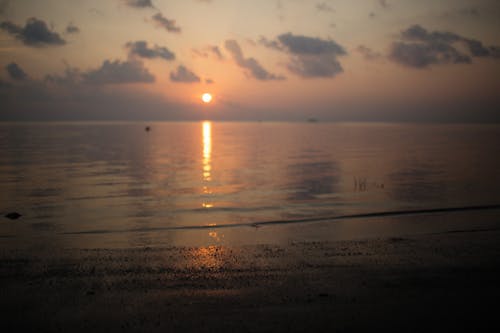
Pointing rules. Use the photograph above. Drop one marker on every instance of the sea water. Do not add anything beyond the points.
(103, 184)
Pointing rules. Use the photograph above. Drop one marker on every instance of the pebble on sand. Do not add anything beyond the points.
(13, 215)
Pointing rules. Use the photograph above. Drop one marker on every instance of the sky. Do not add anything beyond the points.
(333, 60)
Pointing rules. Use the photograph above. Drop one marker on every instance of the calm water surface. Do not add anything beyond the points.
(79, 182)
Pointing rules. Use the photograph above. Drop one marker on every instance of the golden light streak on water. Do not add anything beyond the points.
(207, 150)
(207, 159)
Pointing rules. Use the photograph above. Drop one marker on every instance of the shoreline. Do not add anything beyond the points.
(432, 282)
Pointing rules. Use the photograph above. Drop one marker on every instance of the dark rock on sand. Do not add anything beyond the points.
(13, 215)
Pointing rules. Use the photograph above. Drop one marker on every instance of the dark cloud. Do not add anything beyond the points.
(368, 53)
(72, 29)
(250, 64)
(209, 81)
(315, 66)
(309, 56)
(272, 44)
(11, 28)
(34, 33)
(422, 55)
(418, 33)
(420, 48)
(110, 72)
(182, 74)
(16, 72)
(302, 45)
(139, 3)
(208, 50)
(216, 51)
(165, 23)
(116, 72)
(140, 49)
(324, 7)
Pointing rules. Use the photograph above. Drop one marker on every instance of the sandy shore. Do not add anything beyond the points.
(435, 282)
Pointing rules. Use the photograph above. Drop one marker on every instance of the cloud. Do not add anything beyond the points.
(324, 7)
(110, 72)
(35, 33)
(310, 57)
(117, 72)
(209, 81)
(182, 74)
(140, 49)
(368, 53)
(298, 44)
(165, 23)
(420, 48)
(16, 72)
(139, 3)
(206, 51)
(72, 29)
(272, 44)
(216, 51)
(250, 64)
(320, 66)
(421, 55)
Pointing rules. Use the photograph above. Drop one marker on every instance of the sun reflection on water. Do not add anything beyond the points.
(206, 161)
(207, 150)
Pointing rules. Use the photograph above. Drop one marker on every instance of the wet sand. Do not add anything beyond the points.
(434, 282)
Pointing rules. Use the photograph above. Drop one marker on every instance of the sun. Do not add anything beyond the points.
(206, 98)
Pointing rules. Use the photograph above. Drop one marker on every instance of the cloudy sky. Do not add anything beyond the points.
(375, 60)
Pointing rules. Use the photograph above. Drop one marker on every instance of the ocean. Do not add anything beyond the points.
(116, 184)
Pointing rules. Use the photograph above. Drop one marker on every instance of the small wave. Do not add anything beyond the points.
(293, 221)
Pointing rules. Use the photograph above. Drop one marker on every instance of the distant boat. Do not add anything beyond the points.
(312, 120)
(147, 129)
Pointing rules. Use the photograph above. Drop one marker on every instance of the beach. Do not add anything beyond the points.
(445, 281)
(249, 166)
(249, 227)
